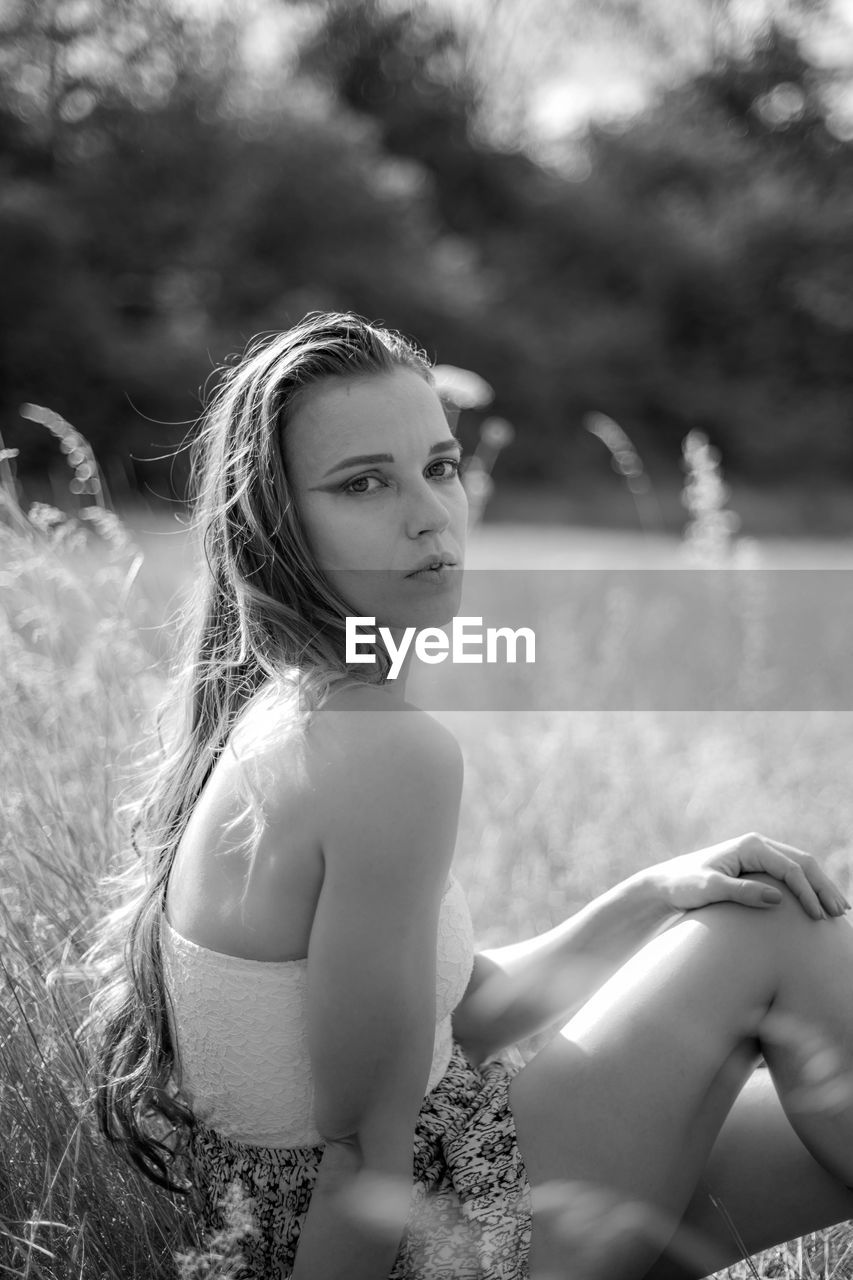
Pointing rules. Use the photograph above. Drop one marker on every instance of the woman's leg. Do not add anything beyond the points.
(629, 1099)
(757, 1149)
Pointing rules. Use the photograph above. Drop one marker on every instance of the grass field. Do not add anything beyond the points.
(558, 806)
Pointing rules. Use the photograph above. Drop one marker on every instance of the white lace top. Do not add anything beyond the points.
(240, 1031)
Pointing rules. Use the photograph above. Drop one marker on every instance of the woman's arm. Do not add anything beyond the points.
(518, 990)
(390, 784)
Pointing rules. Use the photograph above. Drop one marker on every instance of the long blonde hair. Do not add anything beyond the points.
(263, 615)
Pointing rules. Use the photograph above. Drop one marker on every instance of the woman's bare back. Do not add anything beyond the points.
(249, 869)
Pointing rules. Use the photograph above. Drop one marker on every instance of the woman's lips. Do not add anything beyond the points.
(431, 563)
(439, 574)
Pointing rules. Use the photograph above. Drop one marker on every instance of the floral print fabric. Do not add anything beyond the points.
(470, 1211)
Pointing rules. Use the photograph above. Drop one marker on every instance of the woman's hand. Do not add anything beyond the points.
(714, 875)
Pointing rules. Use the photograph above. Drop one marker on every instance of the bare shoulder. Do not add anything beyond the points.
(364, 731)
(391, 778)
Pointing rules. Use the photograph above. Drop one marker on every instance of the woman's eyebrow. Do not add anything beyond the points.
(363, 458)
(358, 461)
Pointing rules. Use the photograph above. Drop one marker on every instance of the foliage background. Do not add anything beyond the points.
(175, 178)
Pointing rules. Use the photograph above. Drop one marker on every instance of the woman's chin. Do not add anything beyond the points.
(436, 619)
(428, 605)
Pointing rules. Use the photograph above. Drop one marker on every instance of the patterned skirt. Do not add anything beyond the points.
(470, 1208)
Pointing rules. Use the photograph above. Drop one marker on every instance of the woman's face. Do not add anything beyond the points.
(374, 471)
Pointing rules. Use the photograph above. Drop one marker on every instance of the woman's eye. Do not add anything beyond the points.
(450, 465)
(359, 484)
(441, 469)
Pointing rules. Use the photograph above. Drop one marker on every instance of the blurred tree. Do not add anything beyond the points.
(612, 58)
(641, 285)
(95, 97)
(751, 195)
(192, 226)
(51, 341)
(61, 59)
(690, 270)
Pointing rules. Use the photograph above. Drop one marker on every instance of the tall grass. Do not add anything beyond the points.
(557, 808)
(74, 681)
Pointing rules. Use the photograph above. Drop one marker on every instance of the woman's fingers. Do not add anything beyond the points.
(749, 893)
(801, 873)
(798, 882)
(758, 855)
(831, 896)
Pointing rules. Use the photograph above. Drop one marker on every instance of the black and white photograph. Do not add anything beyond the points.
(426, 639)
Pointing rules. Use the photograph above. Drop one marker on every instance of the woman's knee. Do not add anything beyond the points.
(781, 942)
(782, 908)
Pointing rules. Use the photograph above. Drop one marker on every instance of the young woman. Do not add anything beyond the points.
(296, 990)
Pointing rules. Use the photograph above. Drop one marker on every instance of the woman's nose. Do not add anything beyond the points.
(425, 512)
